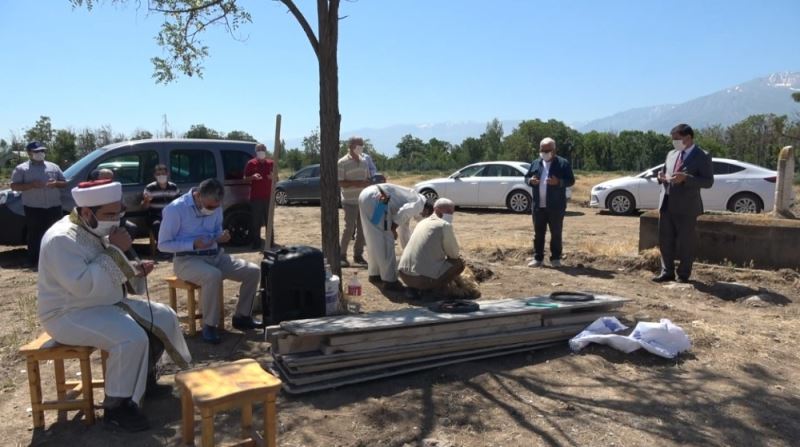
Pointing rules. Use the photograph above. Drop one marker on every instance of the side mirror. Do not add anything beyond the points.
(457, 176)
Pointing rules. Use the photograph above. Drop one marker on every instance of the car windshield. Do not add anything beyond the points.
(87, 159)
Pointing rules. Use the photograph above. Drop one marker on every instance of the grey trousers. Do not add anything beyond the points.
(352, 224)
(209, 271)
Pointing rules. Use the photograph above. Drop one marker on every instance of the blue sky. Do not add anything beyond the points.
(400, 62)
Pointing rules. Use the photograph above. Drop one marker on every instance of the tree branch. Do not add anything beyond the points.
(312, 39)
(197, 8)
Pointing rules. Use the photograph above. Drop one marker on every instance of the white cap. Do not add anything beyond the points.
(97, 193)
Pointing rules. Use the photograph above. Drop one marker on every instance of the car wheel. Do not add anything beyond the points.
(238, 222)
(519, 202)
(621, 203)
(745, 202)
(281, 198)
(430, 195)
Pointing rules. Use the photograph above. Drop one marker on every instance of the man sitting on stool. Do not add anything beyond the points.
(431, 259)
(191, 227)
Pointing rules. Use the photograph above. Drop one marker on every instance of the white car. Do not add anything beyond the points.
(738, 186)
(487, 184)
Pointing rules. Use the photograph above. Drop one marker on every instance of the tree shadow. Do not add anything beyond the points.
(636, 213)
(16, 258)
(729, 291)
(582, 270)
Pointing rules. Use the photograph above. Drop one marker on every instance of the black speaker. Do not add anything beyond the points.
(292, 283)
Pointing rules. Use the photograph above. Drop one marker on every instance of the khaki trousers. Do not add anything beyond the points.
(426, 283)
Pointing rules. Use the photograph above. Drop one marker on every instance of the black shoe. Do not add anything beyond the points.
(126, 416)
(246, 323)
(683, 279)
(663, 278)
(413, 294)
(392, 286)
(210, 335)
(344, 263)
(359, 260)
(375, 279)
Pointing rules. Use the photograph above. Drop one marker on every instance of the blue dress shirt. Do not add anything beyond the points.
(182, 223)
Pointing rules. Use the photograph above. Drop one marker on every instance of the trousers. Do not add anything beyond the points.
(544, 218)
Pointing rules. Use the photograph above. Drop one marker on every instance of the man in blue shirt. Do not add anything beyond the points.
(191, 227)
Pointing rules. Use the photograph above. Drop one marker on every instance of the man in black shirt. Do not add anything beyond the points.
(157, 195)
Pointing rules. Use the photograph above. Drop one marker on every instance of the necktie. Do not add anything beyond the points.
(678, 163)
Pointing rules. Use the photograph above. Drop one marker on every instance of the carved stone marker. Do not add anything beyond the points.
(784, 194)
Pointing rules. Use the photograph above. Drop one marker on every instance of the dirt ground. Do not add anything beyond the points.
(739, 384)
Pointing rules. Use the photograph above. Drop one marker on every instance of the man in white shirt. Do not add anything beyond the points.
(386, 211)
(431, 259)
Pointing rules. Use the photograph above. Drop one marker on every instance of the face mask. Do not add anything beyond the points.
(447, 218)
(358, 150)
(261, 155)
(546, 156)
(38, 156)
(161, 179)
(103, 228)
(206, 212)
(678, 145)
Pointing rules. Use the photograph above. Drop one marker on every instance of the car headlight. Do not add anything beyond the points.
(599, 188)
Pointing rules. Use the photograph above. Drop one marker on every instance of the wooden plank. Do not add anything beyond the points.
(396, 371)
(304, 379)
(358, 337)
(418, 316)
(443, 335)
(375, 355)
(575, 318)
(287, 343)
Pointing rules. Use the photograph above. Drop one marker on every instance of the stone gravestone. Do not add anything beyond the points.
(784, 194)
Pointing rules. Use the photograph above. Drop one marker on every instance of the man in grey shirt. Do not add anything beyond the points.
(40, 183)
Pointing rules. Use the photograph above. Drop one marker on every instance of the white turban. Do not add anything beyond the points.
(97, 193)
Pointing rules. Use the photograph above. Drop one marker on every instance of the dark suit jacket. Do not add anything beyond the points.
(685, 198)
(556, 194)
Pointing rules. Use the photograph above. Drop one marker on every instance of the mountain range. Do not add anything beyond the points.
(769, 94)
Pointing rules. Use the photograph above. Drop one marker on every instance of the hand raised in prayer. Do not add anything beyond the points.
(224, 237)
(257, 176)
(203, 242)
(553, 181)
(534, 181)
(145, 267)
(679, 178)
(38, 184)
(662, 178)
(120, 238)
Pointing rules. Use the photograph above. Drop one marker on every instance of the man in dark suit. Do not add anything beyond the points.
(549, 177)
(687, 169)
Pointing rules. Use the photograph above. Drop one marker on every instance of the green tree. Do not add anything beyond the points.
(492, 139)
(86, 142)
(311, 148)
(240, 135)
(184, 23)
(64, 149)
(201, 131)
(141, 134)
(41, 131)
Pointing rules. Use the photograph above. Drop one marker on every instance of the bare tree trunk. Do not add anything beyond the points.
(329, 119)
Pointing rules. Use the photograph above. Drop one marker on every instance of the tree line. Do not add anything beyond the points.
(755, 139)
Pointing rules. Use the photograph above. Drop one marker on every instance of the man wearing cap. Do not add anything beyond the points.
(191, 227)
(83, 286)
(40, 183)
(386, 211)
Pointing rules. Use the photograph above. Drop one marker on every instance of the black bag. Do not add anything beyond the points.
(292, 284)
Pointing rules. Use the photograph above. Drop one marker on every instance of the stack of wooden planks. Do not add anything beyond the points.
(328, 352)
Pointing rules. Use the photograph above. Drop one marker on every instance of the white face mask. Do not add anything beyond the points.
(261, 155)
(678, 145)
(104, 227)
(161, 179)
(546, 156)
(206, 212)
(38, 156)
(447, 218)
(358, 150)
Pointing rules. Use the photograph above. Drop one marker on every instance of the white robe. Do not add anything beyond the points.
(82, 302)
(403, 205)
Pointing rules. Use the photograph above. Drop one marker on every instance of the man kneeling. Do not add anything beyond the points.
(431, 259)
(84, 279)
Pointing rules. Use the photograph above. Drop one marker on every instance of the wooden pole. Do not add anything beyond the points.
(276, 150)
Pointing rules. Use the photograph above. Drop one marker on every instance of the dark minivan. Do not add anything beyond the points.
(189, 161)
